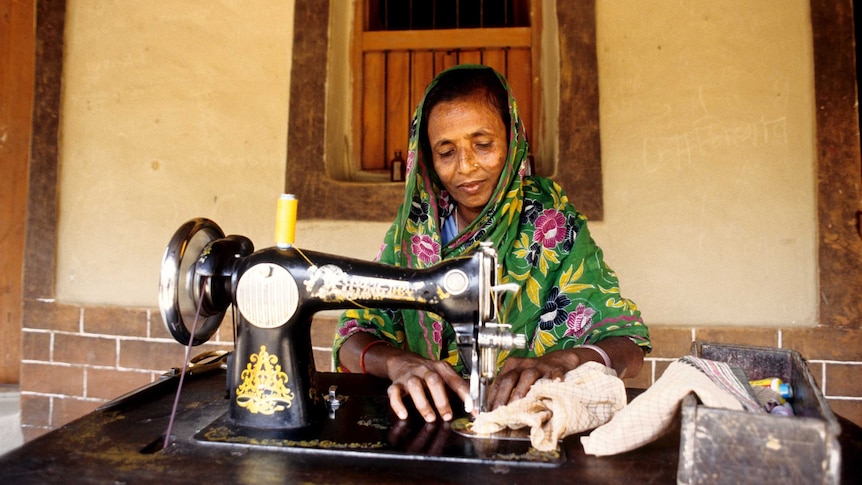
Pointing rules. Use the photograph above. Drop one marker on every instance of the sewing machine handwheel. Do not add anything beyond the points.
(180, 287)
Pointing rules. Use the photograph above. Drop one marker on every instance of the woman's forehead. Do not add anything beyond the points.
(463, 118)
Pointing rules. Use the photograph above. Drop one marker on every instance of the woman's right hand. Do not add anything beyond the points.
(425, 381)
(420, 378)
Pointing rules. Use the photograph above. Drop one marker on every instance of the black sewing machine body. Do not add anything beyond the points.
(272, 377)
(277, 293)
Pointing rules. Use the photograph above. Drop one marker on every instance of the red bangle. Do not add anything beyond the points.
(365, 351)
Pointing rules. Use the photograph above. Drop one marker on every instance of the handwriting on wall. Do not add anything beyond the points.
(711, 136)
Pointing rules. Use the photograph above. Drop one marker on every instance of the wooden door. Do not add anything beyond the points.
(16, 95)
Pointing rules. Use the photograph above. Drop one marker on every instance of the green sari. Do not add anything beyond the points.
(568, 296)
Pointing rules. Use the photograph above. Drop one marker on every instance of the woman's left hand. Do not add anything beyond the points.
(518, 375)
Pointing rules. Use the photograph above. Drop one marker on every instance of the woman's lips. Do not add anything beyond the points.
(472, 187)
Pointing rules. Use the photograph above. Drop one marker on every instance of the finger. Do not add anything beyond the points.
(525, 382)
(511, 365)
(395, 402)
(416, 389)
(556, 374)
(461, 388)
(437, 389)
(500, 390)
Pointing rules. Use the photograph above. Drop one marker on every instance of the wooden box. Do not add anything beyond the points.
(722, 446)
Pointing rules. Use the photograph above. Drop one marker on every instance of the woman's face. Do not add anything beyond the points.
(468, 148)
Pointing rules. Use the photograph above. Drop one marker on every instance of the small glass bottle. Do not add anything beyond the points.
(397, 168)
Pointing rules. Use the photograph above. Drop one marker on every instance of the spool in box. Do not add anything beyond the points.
(723, 446)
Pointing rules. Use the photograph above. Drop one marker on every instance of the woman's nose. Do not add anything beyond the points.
(467, 162)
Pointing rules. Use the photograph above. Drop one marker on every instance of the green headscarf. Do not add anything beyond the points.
(567, 296)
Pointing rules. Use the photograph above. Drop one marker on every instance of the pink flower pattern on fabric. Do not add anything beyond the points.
(347, 328)
(425, 248)
(550, 228)
(437, 332)
(579, 320)
(411, 159)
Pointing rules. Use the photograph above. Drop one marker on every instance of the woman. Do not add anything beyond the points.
(466, 183)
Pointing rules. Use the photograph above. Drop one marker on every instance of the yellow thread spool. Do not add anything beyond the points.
(285, 221)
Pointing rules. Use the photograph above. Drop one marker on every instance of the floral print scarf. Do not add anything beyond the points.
(568, 296)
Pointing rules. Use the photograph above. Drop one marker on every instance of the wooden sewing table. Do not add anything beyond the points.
(122, 444)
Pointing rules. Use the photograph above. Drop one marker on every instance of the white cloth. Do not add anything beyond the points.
(647, 417)
(587, 397)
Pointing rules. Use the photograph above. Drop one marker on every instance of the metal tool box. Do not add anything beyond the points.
(723, 446)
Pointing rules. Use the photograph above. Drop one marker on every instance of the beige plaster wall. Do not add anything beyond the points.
(171, 110)
(179, 109)
(708, 145)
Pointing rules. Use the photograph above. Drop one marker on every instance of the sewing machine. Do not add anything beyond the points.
(272, 377)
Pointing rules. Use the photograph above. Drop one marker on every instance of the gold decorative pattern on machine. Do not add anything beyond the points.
(264, 385)
(331, 283)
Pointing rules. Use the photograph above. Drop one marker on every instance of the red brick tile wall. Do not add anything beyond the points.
(834, 356)
(78, 357)
(75, 358)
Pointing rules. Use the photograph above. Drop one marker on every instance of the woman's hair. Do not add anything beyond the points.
(480, 83)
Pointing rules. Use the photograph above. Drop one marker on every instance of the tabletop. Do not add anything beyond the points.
(123, 443)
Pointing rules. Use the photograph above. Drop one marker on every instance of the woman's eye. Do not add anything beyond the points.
(446, 154)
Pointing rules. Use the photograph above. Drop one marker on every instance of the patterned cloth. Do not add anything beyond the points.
(587, 397)
(568, 295)
(649, 415)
